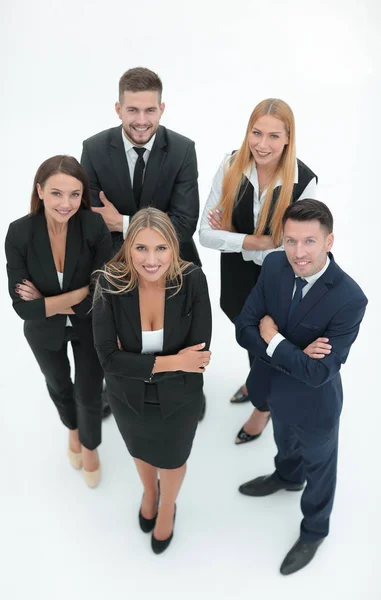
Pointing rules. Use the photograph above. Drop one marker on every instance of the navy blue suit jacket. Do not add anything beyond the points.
(300, 390)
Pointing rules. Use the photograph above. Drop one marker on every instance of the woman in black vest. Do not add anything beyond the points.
(51, 254)
(243, 214)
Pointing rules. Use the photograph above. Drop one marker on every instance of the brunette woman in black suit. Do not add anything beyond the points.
(51, 254)
(152, 329)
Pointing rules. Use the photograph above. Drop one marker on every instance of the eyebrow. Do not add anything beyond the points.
(270, 133)
(145, 245)
(132, 106)
(58, 190)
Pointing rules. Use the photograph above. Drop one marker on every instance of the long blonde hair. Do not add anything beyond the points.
(239, 163)
(120, 271)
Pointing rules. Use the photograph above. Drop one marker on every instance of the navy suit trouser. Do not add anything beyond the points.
(307, 453)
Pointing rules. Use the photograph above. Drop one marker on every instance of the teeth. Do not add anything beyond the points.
(141, 128)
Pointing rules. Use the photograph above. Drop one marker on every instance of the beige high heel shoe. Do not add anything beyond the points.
(75, 459)
(92, 478)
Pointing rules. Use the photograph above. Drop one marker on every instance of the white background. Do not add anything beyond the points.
(61, 62)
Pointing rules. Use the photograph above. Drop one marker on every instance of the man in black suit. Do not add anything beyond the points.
(300, 322)
(141, 163)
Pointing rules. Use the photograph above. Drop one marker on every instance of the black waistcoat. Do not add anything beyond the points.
(238, 276)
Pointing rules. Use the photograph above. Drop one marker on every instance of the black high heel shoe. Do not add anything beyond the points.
(147, 525)
(158, 546)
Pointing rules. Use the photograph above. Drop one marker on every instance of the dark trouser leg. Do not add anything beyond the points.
(55, 367)
(288, 461)
(319, 449)
(264, 407)
(88, 391)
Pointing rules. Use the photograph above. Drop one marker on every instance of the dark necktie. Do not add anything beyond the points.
(297, 297)
(138, 175)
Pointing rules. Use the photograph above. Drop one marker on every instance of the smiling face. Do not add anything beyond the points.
(267, 140)
(140, 113)
(151, 255)
(61, 195)
(306, 244)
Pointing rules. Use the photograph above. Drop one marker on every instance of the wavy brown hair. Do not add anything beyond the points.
(59, 164)
(243, 158)
(120, 272)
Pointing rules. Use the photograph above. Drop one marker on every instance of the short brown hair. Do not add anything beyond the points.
(310, 210)
(140, 79)
(59, 164)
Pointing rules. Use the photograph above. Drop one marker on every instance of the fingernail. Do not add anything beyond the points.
(202, 345)
(24, 280)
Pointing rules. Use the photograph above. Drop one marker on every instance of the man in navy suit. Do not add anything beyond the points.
(300, 321)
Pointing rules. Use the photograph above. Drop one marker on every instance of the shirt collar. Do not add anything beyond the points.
(313, 278)
(252, 176)
(129, 145)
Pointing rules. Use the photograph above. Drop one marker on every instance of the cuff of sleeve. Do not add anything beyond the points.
(277, 339)
(126, 222)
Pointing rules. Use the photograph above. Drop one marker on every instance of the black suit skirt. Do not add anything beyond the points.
(164, 443)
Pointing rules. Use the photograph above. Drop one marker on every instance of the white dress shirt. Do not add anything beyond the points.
(60, 281)
(132, 157)
(278, 337)
(230, 241)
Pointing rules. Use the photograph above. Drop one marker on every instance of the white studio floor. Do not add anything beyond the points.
(60, 540)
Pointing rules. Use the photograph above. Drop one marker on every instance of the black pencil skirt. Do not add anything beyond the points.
(164, 443)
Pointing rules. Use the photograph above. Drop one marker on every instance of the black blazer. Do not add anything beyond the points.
(301, 390)
(170, 181)
(29, 256)
(187, 321)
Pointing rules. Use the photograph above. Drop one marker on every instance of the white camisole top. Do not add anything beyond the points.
(152, 341)
(60, 281)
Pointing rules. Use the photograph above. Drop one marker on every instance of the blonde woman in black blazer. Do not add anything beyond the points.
(152, 329)
(51, 254)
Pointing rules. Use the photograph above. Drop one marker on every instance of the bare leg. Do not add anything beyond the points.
(170, 484)
(90, 459)
(74, 443)
(256, 423)
(244, 389)
(148, 475)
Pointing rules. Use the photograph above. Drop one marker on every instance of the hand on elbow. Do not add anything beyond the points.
(193, 359)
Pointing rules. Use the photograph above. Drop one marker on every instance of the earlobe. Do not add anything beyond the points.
(162, 107)
(118, 109)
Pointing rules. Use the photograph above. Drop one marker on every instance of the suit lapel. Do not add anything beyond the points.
(319, 288)
(311, 298)
(43, 251)
(172, 313)
(130, 305)
(73, 249)
(154, 167)
(287, 282)
(121, 170)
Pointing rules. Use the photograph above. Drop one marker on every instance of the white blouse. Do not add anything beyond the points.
(152, 341)
(60, 281)
(230, 241)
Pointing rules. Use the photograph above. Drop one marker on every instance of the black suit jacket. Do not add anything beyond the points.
(170, 181)
(301, 390)
(29, 256)
(187, 321)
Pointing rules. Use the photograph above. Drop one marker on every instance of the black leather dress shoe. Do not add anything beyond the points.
(203, 408)
(158, 546)
(239, 397)
(147, 525)
(266, 485)
(243, 437)
(106, 409)
(299, 556)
